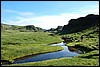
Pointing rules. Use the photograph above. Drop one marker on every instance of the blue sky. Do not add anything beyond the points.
(45, 14)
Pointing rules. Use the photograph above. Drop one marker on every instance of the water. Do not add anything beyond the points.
(53, 55)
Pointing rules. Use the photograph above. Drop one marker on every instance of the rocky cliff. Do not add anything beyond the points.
(79, 24)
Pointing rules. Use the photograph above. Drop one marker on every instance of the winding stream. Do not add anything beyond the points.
(52, 55)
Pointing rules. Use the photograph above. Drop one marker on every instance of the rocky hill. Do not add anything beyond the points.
(21, 28)
(79, 24)
(55, 30)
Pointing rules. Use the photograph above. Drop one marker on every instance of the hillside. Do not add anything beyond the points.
(55, 30)
(79, 24)
(21, 28)
(83, 32)
(20, 41)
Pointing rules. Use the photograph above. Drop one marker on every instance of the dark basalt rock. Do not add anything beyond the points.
(79, 24)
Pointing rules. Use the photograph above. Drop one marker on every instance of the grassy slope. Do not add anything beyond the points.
(16, 37)
(90, 40)
(63, 62)
(15, 44)
(10, 52)
(27, 28)
(90, 58)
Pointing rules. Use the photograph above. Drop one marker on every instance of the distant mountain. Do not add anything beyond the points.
(32, 27)
(21, 28)
(55, 30)
(79, 24)
(74, 25)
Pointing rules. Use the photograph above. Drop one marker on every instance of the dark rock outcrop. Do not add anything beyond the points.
(79, 24)
(55, 30)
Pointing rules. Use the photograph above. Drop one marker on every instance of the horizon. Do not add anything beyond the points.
(45, 14)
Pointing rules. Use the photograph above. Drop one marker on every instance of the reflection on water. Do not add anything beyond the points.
(53, 55)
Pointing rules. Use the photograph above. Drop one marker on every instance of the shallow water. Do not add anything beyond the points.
(52, 55)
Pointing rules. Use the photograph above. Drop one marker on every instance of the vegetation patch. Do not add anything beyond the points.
(16, 44)
(63, 62)
(11, 52)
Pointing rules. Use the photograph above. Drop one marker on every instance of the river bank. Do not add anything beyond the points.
(27, 50)
(52, 55)
(61, 53)
(86, 59)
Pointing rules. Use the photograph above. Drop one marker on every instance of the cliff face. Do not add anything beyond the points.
(79, 24)
(55, 30)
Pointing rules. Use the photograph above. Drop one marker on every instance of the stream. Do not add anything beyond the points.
(53, 55)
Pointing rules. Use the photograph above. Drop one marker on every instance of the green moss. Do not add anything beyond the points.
(27, 38)
(10, 52)
(63, 62)
(15, 44)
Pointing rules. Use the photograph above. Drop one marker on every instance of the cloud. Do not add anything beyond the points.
(53, 21)
(46, 21)
(50, 21)
(18, 12)
(89, 10)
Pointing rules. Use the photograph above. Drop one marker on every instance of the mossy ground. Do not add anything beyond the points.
(15, 44)
(89, 45)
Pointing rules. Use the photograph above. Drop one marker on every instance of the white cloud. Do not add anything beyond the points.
(89, 10)
(51, 21)
(47, 21)
(18, 12)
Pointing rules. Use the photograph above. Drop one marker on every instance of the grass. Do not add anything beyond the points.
(16, 37)
(63, 62)
(11, 52)
(15, 44)
(90, 39)
(85, 46)
(90, 55)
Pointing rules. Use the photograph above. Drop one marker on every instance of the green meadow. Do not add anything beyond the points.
(63, 62)
(55, 33)
(16, 44)
(89, 45)
(16, 37)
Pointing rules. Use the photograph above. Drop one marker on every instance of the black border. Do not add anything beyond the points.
(48, 0)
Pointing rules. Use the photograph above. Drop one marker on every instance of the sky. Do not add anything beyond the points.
(45, 14)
